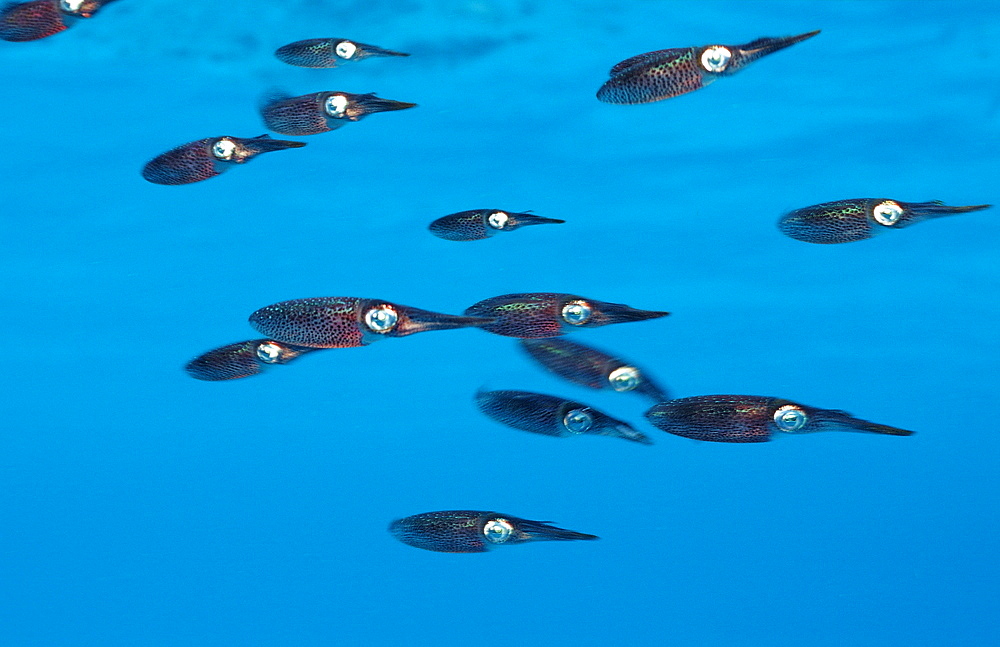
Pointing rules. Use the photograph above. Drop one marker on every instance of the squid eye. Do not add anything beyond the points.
(576, 313)
(71, 6)
(624, 378)
(336, 105)
(224, 149)
(497, 531)
(715, 58)
(269, 352)
(790, 418)
(381, 319)
(887, 213)
(346, 49)
(578, 421)
(498, 219)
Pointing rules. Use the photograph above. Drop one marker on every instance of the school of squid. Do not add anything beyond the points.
(543, 325)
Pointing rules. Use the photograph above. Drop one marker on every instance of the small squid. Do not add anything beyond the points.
(592, 368)
(24, 21)
(321, 112)
(547, 314)
(552, 416)
(753, 419)
(347, 322)
(209, 157)
(328, 52)
(242, 359)
(667, 73)
(846, 221)
(473, 531)
(478, 224)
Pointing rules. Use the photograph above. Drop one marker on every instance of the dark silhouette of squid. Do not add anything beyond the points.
(753, 419)
(669, 73)
(846, 221)
(591, 367)
(209, 157)
(552, 416)
(473, 531)
(242, 359)
(547, 314)
(478, 224)
(24, 21)
(346, 322)
(321, 112)
(329, 52)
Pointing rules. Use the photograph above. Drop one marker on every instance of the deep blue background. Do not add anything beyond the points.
(141, 507)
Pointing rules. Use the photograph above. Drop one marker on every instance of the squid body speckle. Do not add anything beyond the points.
(591, 367)
(209, 157)
(322, 112)
(473, 531)
(242, 359)
(547, 314)
(346, 322)
(753, 419)
(668, 73)
(24, 21)
(846, 221)
(329, 52)
(552, 416)
(478, 224)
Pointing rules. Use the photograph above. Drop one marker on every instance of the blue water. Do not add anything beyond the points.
(142, 507)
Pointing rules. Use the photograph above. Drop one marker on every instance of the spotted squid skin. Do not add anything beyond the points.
(461, 226)
(27, 21)
(321, 322)
(241, 359)
(668, 73)
(194, 161)
(464, 531)
(302, 115)
(322, 52)
(521, 314)
(314, 53)
(751, 419)
(654, 76)
(590, 367)
(721, 418)
(546, 414)
(540, 314)
(846, 221)
(185, 164)
(475, 224)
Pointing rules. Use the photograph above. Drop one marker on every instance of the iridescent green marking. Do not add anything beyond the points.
(683, 60)
(519, 306)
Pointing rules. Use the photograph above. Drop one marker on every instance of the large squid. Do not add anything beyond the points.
(667, 73)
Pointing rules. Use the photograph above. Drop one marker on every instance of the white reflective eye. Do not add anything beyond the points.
(498, 531)
(715, 58)
(498, 219)
(381, 319)
(790, 418)
(576, 312)
(70, 5)
(887, 213)
(624, 378)
(269, 352)
(224, 149)
(336, 105)
(346, 49)
(578, 421)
